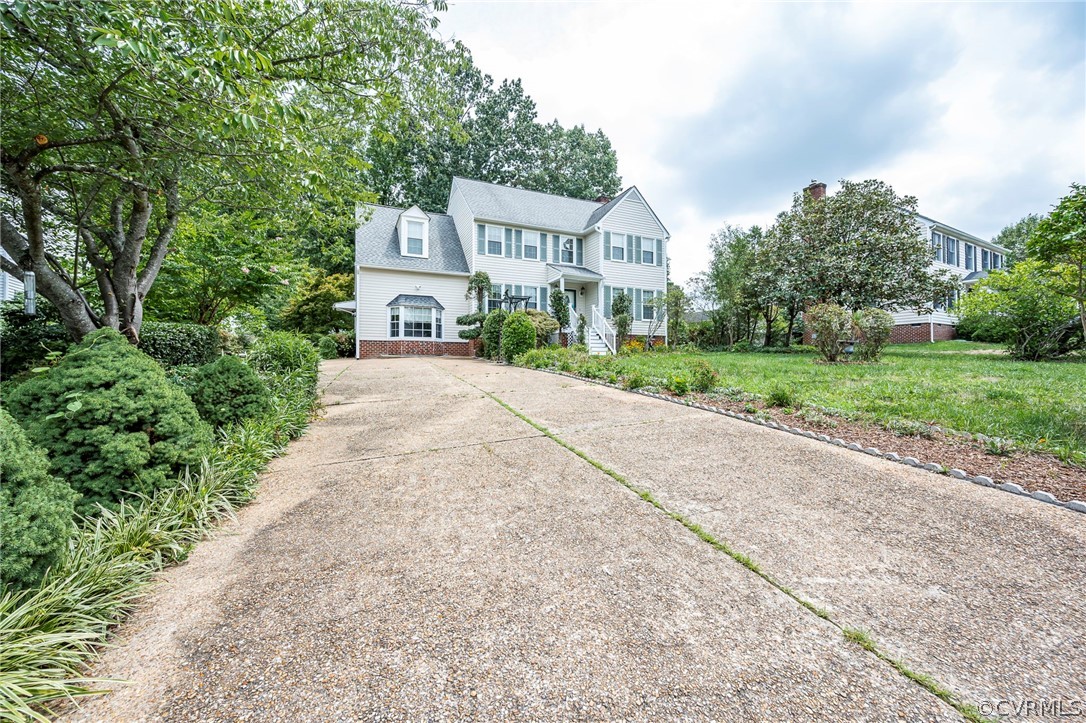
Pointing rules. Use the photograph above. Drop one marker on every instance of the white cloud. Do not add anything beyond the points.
(998, 88)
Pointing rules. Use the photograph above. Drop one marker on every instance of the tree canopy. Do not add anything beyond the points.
(121, 115)
(1014, 236)
(1059, 242)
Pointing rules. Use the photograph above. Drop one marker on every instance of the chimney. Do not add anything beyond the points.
(603, 199)
(817, 190)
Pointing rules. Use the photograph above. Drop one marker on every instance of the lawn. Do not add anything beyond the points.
(960, 385)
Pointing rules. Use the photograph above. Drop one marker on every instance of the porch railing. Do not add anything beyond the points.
(603, 328)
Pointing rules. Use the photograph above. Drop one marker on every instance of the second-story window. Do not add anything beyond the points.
(618, 246)
(647, 254)
(567, 250)
(494, 240)
(997, 260)
(985, 259)
(970, 257)
(531, 245)
(950, 254)
(936, 244)
(414, 238)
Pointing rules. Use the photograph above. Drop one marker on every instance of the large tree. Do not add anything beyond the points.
(1014, 237)
(1059, 242)
(121, 114)
(861, 247)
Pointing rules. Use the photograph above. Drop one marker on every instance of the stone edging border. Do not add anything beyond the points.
(982, 480)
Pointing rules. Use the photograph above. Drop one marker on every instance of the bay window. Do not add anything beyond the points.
(414, 322)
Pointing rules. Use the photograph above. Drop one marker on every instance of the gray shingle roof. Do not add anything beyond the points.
(378, 243)
(974, 276)
(416, 300)
(529, 208)
(577, 270)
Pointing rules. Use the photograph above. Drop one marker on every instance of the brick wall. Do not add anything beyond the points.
(415, 347)
(916, 333)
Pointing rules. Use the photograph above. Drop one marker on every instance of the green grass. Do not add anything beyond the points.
(958, 385)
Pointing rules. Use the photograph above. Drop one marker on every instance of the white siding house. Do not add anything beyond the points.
(528, 242)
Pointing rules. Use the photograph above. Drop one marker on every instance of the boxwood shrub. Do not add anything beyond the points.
(492, 332)
(227, 390)
(36, 509)
(518, 335)
(174, 344)
(110, 420)
(327, 348)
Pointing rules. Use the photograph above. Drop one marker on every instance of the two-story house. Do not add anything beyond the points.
(412, 267)
(965, 255)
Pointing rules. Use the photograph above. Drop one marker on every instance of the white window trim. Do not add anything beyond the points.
(434, 313)
(425, 237)
(534, 235)
(501, 239)
(615, 235)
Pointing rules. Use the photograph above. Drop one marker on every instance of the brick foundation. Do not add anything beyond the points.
(368, 349)
(918, 333)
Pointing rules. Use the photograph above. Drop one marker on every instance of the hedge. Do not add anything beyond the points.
(174, 344)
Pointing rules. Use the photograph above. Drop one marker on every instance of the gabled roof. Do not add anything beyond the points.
(377, 243)
(962, 234)
(578, 271)
(416, 300)
(518, 206)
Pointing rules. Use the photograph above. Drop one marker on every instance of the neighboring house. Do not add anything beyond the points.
(963, 254)
(412, 267)
(10, 287)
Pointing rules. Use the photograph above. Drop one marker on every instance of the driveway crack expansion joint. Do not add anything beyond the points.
(860, 638)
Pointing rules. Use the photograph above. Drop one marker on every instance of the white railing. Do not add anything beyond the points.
(604, 329)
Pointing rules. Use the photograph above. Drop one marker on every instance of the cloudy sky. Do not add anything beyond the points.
(719, 111)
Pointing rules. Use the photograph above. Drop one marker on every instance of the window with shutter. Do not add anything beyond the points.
(493, 241)
(531, 245)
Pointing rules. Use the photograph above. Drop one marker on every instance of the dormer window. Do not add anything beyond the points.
(414, 233)
(414, 238)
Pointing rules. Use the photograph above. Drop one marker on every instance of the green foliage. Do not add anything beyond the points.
(327, 348)
(25, 341)
(282, 354)
(1015, 236)
(222, 262)
(874, 327)
(492, 333)
(830, 325)
(228, 391)
(51, 632)
(173, 344)
(783, 395)
(247, 105)
(634, 380)
(559, 307)
(981, 326)
(582, 326)
(621, 306)
(544, 324)
(703, 376)
(311, 310)
(1059, 242)
(518, 335)
(474, 323)
(478, 289)
(678, 384)
(36, 509)
(112, 423)
(1021, 306)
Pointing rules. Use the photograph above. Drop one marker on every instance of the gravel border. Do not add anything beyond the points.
(982, 480)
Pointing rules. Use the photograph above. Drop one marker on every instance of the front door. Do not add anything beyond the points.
(572, 296)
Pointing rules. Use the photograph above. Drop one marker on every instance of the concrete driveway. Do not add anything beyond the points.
(426, 553)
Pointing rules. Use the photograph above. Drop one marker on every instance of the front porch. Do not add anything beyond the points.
(584, 290)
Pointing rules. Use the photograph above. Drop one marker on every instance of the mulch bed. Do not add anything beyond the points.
(1033, 471)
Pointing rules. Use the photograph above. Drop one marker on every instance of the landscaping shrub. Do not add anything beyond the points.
(702, 375)
(50, 632)
(678, 384)
(634, 380)
(327, 348)
(582, 325)
(26, 340)
(518, 335)
(621, 316)
(874, 327)
(544, 324)
(110, 420)
(830, 325)
(986, 327)
(633, 346)
(227, 391)
(742, 347)
(173, 344)
(492, 333)
(281, 353)
(36, 509)
(783, 395)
